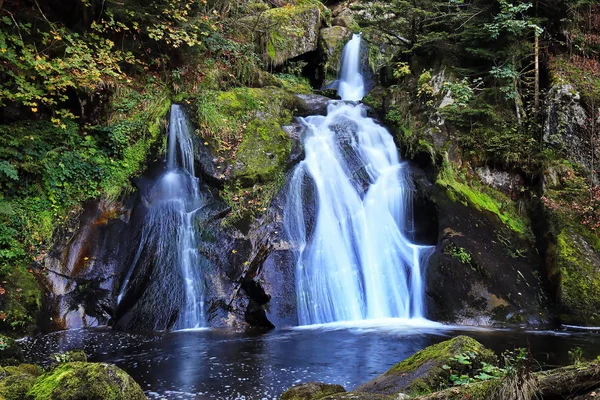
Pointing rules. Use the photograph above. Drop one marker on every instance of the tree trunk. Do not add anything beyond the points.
(536, 99)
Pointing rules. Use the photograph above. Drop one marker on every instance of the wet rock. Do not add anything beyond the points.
(425, 370)
(311, 391)
(482, 271)
(82, 267)
(312, 104)
(361, 396)
(86, 381)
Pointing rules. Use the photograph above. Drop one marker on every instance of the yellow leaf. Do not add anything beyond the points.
(34, 109)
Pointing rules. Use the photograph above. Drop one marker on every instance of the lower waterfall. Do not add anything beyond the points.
(355, 259)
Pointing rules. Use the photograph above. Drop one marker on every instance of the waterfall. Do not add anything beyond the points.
(169, 236)
(355, 259)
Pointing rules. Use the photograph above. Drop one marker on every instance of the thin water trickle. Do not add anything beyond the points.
(355, 261)
(170, 224)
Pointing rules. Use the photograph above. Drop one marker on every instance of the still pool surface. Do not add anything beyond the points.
(221, 364)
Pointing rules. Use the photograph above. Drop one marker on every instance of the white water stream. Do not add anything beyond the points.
(355, 260)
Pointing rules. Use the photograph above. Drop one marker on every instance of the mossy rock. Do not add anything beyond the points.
(577, 271)
(10, 351)
(311, 391)
(16, 387)
(23, 369)
(86, 381)
(331, 46)
(283, 33)
(423, 372)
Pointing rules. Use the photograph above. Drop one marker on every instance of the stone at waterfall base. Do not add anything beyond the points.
(68, 381)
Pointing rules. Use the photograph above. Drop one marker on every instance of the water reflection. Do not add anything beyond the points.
(221, 364)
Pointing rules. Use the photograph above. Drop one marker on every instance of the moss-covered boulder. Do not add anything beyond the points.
(311, 391)
(86, 381)
(23, 369)
(286, 32)
(331, 44)
(10, 352)
(16, 381)
(16, 387)
(573, 259)
(426, 370)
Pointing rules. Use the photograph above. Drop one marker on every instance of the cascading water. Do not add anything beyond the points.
(169, 236)
(355, 260)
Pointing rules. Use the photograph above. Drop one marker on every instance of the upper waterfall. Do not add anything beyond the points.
(351, 83)
(355, 259)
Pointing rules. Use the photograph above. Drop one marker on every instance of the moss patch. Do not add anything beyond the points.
(89, 381)
(424, 372)
(578, 263)
(16, 387)
(483, 198)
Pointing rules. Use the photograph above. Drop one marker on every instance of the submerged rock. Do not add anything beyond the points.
(425, 371)
(311, 391)
(86, 381)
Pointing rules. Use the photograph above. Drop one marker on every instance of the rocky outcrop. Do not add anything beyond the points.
(484, 270)
(430, 368)
(331, 44)
(283, 33)
(568, 126)
(82, 269)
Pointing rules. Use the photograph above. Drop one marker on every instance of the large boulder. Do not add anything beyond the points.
(86, 381)
(429, 369)
(283, 33)
(16, 381)
(484, 270)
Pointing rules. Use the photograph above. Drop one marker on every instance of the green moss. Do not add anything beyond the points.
(295, 84)
(23, 369)
(285, 32)
(69, 356)
(23, 298)
(428, 369)
(16, 387)
(579, 280)
(483, 198)
(86, 381)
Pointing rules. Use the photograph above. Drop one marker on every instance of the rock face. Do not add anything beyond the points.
(482, 272)
(424, 370)
(86, 381)
(283, 33)
(81, 269)
(331, 45)
(568, 125)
